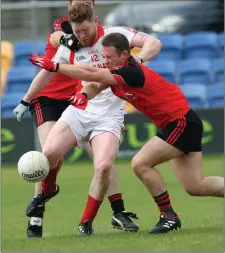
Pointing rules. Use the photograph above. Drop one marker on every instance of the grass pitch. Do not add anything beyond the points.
(202, 218)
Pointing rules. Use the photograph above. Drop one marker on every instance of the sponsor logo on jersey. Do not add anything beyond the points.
(80, 58)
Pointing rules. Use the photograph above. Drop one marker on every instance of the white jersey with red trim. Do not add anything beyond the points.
(105, 103)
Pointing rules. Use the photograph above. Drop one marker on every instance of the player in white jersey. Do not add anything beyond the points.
(101, 121)
(105, 103)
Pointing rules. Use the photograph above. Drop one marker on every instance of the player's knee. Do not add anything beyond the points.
(102, 169)
(137, 165)
(192, 190)
(51, 153)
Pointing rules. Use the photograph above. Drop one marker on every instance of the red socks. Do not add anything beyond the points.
(48, 185)
(91, 209)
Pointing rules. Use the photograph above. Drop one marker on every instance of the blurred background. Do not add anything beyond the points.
(192, 33)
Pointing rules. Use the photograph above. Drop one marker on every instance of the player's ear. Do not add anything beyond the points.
(125, 55)
(96, 20)
(69, 4)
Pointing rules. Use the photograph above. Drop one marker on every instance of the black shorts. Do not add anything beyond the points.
(184, 133)
(45, 109)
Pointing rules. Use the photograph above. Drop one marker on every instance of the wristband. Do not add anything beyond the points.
(138, 59)
(56, 67)
(24, 103)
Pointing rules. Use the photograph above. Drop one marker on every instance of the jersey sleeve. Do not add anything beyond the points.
(61, 55)
(127, 31)
(132, 76)
(50, 51)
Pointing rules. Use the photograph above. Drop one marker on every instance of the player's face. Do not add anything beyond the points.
(86, 32)
(72, 2)
(112, 58)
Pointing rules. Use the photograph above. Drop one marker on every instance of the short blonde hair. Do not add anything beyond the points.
(80, 12)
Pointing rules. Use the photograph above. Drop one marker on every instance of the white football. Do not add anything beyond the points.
(33, 166)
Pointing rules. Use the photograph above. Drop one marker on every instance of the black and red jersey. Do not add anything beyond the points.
(149, 92)
(61, 87)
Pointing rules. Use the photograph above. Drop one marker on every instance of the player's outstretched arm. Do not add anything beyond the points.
(40, 82)
(150, 46)
(92, 89)
(87, 73)
(77, 71)
(89, 91)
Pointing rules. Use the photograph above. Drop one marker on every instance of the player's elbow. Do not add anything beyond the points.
(157, 43)
(54, 39)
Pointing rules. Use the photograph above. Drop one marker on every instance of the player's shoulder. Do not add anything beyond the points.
(63, 50)
(132, 73)
(120, 29)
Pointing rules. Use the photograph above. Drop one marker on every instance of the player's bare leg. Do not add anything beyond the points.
(43, 131)
(155, 152)
(121, 218)
(105, 147)
(188, 169)
(34, 228)
(53, 149)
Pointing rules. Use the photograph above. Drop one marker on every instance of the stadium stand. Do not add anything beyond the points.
(221, 43)
(166, 68)
(218, 69)
(130, 108)
(201, 45)
(41, 47)
(9, 102)
(172, 46)
(23, 49)
(19, 79)
(3, 81)
(196, 95)
(194, 61)
(216, 94)
(6, 55)
(195, 71)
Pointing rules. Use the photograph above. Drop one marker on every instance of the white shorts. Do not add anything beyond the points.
(86, 125)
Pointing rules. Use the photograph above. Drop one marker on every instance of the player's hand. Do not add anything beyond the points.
(79, 99)
(21, 110)
(70, 41)
(44, 63)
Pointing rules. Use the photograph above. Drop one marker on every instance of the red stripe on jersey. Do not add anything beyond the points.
(72, 56)
(131, 29)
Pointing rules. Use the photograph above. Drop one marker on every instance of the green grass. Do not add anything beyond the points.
(202, 217)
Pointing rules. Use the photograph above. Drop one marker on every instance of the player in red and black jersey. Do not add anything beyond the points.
(180, 129)
(46, 109)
